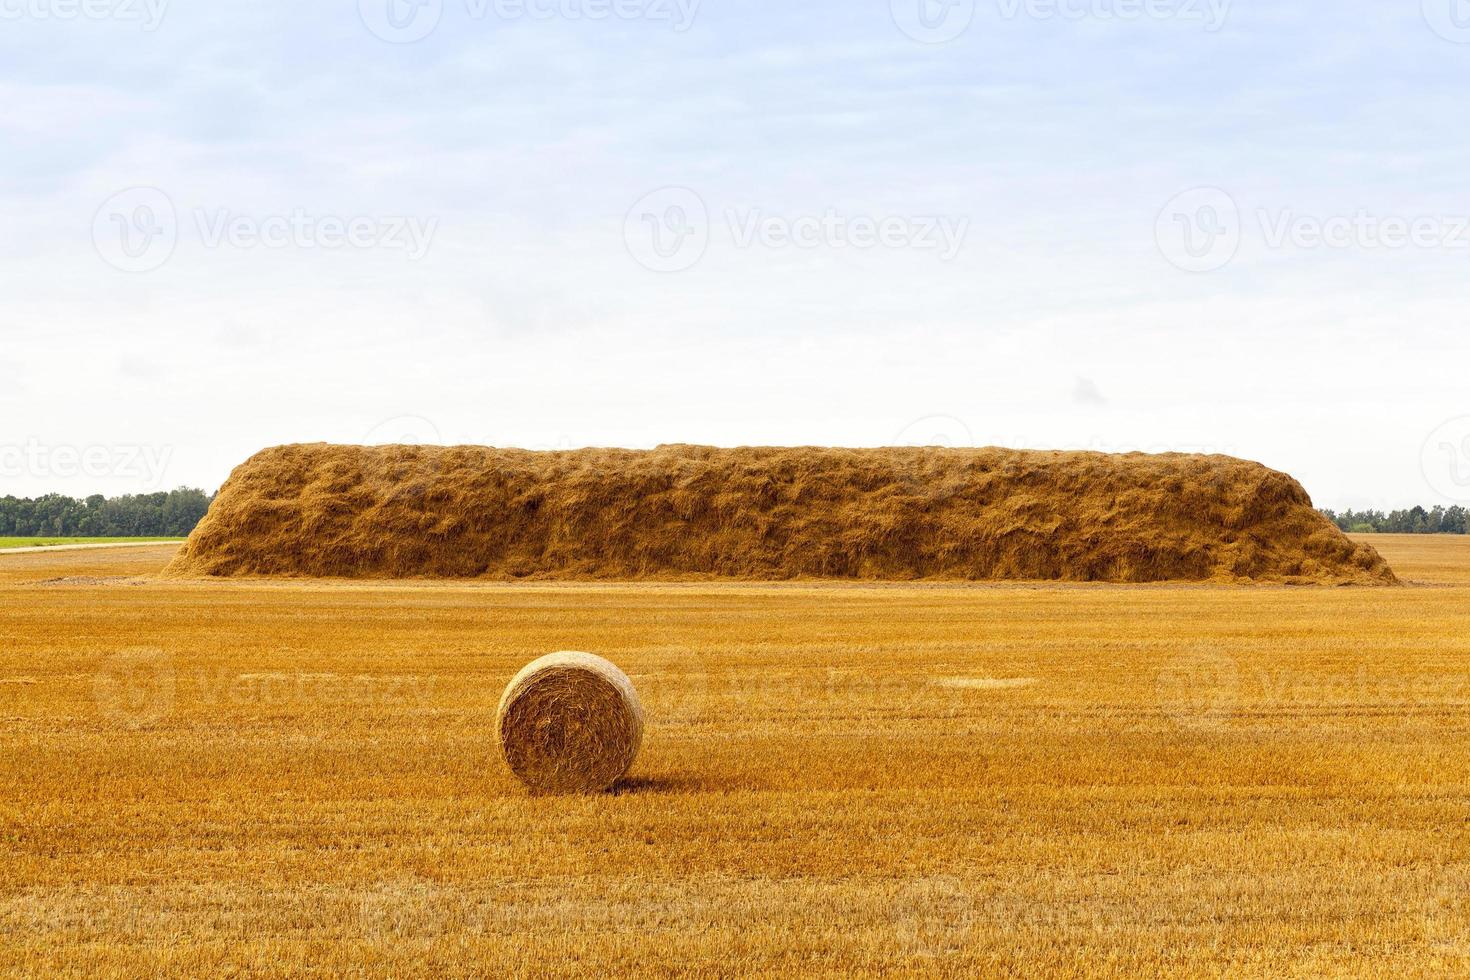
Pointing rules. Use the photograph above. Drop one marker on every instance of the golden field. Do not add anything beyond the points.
(227, 777)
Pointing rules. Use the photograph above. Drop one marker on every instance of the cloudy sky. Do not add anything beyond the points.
(1239, 227)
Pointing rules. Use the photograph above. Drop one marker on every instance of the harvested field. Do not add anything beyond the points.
(200, 777)
(685, 512)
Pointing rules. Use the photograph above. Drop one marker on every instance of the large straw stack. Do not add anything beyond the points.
(570, 723)
(693, 512)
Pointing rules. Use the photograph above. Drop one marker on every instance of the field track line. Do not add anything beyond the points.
(85, 547)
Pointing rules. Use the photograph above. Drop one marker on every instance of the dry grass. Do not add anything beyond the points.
(221, 776)
(694, 512)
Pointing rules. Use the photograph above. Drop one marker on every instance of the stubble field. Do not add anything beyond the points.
(216, 777)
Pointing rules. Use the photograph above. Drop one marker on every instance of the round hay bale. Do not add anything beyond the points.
(570, 723)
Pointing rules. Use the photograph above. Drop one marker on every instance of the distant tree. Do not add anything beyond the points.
(1413, 520)
(1418, 521)
(163, 515)
(1434, 522)
(1456, 521)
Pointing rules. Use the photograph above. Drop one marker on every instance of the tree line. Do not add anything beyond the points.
(1417, 520)
(163, 515)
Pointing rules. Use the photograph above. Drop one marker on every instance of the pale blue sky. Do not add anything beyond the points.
(524, 312)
